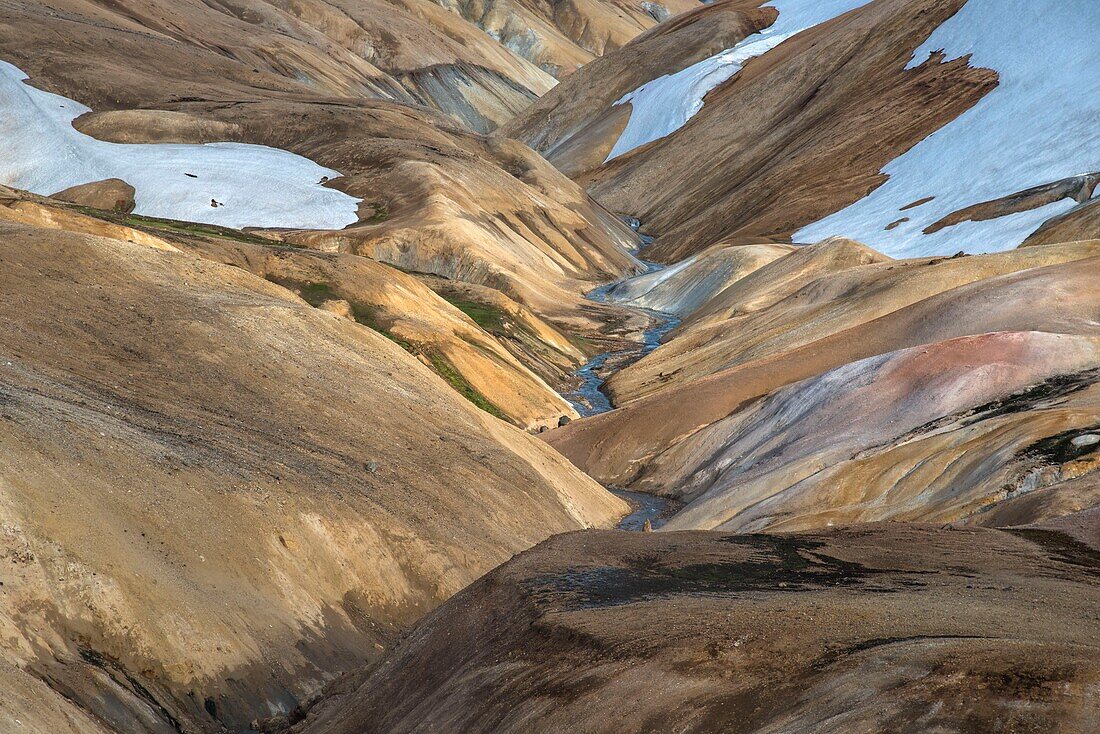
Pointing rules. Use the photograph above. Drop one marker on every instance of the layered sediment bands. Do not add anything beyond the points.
(626, 445)
(816, 120)
(560, 37)
(406, 52)
(437, 198)
(215, 497)
(707, 632)
(931, 433)
(797, 134)
(818, 291)
(1042, 504)
(575, 124)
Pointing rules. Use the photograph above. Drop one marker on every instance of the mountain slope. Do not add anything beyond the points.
(674, 440)
(411, 52)
(873, 628)
(434, 198)
(892, 122)
(215, 497)
(562, 36)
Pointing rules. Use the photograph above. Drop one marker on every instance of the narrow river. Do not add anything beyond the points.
(589, 398)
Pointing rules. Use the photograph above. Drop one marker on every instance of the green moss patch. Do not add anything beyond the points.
(487, 317)
(447, 371)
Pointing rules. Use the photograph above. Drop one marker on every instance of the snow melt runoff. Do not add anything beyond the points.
(664, 105)
(254, 185)
(1039, 125)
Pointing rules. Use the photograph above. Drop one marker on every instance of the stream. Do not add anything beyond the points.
(589, 398)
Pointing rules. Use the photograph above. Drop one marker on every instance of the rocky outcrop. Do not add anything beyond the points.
(1078, 188)
(1082, 222)
(707, 632)
(112, 194)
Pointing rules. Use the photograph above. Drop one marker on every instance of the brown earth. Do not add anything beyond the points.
(575, 126)
(437, 198)
(815, 292)
(562, 36)
(215, 497)
(674, 441)
(477, 362)
(797, 134)
(932, 433)
(1078, 188)
(887, 627)
(410, 51)
(1080, 223)
(112, 194)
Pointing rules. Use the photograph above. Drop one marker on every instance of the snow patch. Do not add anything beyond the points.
(1037, 126)
(254, 185)
(662, 106)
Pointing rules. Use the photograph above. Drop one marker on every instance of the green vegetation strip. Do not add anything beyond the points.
(137, 221)
(464, 388)
(487, 317)
(315, 294)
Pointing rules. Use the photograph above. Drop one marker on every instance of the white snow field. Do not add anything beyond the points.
(1041, 124)
(255, 185)
(664, 105)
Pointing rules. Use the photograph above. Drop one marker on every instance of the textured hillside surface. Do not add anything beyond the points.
(910, 389)
(415, 52)
(874, 628)
(840, 117)
(563, 35)
(216, 497)
(302, 303)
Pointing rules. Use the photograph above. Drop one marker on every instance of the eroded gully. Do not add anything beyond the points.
(589, 398)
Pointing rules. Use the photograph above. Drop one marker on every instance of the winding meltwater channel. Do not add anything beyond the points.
(589, 398)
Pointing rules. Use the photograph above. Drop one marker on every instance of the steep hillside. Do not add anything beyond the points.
(575, 124)
(714, 417)
(337, 335)
(411, 52)
(561, 36)
(922, 127)
(470, 352)
(891, 627)
(431, 197)
(826, 289)
(216, 497)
